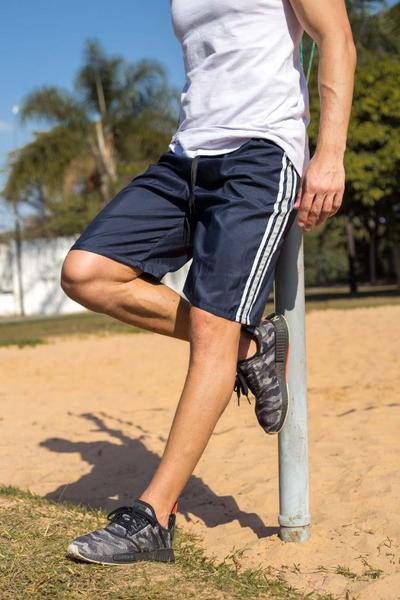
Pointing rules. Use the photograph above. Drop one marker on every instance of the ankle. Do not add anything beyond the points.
(161, 509)
(247, 346)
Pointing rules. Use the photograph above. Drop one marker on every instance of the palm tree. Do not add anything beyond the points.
(85, 147)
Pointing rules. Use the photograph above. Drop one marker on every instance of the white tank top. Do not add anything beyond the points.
(243, 77)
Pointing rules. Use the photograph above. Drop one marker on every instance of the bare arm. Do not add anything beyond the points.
(322, 186)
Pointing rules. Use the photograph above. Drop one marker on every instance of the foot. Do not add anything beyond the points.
(132, 534)
(265, 373)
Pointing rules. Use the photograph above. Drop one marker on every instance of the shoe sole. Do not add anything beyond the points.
(281, 364)
(165, 555)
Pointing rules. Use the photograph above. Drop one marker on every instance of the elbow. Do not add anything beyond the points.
(351, 51)
(340, 46)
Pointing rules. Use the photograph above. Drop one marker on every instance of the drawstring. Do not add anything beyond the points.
(193, 173)
(189, 219)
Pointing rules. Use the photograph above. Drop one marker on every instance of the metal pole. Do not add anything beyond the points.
(294, 514)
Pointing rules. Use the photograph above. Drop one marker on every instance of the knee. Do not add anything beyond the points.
(210, 333)
(80, 277)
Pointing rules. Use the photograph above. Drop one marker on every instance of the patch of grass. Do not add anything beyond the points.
(349, 303)
(371, 572)
(338, 297)
(35, 532)
(21, 342)
(28, 330)
(345, 571)
(321, 298)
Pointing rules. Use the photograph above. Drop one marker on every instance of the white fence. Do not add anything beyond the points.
(41, 262)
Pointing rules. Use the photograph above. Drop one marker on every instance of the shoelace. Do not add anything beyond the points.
(241, 387)
(135, 519)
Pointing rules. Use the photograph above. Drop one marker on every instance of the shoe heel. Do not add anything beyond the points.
(164, 555)
(281, 339)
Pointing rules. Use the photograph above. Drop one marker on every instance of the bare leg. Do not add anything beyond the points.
(107, 286)
(213, 355)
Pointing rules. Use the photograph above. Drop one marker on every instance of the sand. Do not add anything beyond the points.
(85, 419)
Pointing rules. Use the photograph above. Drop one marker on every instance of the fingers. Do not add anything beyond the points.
(314, 209)
(314, 212)
(337, 202)
(299, 196)
(306, 202)
(326, 209)
(321, 192)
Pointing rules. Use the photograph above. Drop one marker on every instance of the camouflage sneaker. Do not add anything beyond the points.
(265, 373)
(133, 534)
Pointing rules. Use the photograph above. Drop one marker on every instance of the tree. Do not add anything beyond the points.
(373, 156)
(374, 26)
(118, 117)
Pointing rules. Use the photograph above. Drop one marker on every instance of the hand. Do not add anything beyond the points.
(321, 191)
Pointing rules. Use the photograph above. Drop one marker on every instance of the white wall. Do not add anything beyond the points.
(41, 262)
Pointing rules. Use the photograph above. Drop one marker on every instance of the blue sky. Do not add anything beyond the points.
(44, 40)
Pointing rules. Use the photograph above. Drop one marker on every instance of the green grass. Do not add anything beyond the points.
(345, 571)
(22, 342)
(30, 331)
(33, 536)
(340, 298)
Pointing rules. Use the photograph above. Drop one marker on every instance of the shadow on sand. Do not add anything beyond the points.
(121, 469)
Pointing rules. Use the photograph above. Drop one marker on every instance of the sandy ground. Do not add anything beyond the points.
(86, 420)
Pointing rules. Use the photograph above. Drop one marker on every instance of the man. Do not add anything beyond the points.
(225, 193)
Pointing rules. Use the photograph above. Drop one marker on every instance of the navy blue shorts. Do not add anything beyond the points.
(229, 212)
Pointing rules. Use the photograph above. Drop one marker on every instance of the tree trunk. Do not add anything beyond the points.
(351, 253)
(396, 260)
(108, 170)
(372, 250)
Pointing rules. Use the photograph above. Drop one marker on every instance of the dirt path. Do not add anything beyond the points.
(86, 420)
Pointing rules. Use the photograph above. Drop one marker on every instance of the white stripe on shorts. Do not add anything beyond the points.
(290, 198)
(270, 232)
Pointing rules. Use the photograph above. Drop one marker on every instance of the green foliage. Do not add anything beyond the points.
(325, 254)
(67, 215)
(119, 117)
(51, 104)
(43, 162)
(126, 89)
(375, 28)
(373, 155)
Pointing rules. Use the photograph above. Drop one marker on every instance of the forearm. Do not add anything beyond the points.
(322, 185)
(335, 83)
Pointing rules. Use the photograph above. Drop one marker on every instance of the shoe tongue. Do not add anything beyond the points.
(255, 333)
(141, 507)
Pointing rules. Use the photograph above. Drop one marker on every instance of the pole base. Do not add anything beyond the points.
(295, 534)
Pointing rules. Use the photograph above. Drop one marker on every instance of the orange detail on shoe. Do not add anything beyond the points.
(174, 508)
